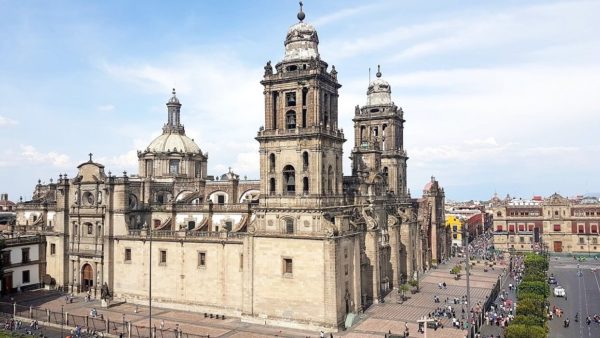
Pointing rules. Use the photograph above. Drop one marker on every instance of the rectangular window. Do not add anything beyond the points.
(595, 240)
(241, 262)
(303, 118)
(287, 266)
(511, 228)
(228, 225)
(594, 228)
(174, 167)
(530, 227)
(6, 258)
(90, 229)
(26, 276)
(580, 228)
(202, 259)
(499, 228)
(127, 257)
(52, 249)
(521, 239)
(581, 240)
(556, 227)
(346, 269)
(345, 252)
(454, 228)
(25, 255)
(521, 227)
(220, 199)
(163, 257)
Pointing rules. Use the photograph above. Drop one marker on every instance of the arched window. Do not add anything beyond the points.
(290, 119)
(272, 186)
(305, 160)
(305, 185)
(272, 163)
(385, 173)
(330, 180)
(289, 179)
(289, 226)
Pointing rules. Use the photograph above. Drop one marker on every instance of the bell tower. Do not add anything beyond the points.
(379, 137)
(300, 143)
(294, 242)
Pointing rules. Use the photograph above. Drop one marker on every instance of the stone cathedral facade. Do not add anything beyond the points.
(304, 246)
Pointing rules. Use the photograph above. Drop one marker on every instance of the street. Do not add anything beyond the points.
(583, 297)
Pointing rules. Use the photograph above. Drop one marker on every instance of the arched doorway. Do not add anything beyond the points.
(87, 277)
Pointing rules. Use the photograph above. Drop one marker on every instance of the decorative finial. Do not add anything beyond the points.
(378, 71)
(90, 155)
(301, 15)
(173, 91)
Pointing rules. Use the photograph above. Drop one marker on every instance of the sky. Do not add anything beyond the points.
(498, 96)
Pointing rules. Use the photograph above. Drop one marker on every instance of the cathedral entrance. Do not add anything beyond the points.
(87, 277)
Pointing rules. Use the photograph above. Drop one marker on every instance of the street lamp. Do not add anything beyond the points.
(123, 324)
(62, 320)
(468, 264)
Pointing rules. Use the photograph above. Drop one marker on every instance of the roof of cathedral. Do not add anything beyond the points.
(301, 41)
(379, 91)
(173, 142)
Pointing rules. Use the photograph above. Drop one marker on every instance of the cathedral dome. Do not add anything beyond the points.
(379, 91)
(301, 41)
(173, 143)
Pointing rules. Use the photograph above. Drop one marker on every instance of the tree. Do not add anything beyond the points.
(403, 289)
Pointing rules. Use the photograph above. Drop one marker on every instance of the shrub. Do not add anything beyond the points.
(528, 320)
(456, 269)
(540, 288)
(530, 295)
(523, 331)
(531, 307)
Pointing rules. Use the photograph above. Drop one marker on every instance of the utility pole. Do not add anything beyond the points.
(469, 305)
(150, 285)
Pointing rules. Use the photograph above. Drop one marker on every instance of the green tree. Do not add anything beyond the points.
(531, 307)
(540, 288)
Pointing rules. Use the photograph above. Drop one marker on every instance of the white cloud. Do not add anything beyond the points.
(5, 121)
(30, 154)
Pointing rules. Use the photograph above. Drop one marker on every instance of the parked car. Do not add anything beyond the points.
(559, 291)
(552, 280)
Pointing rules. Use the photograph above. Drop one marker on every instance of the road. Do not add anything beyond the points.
(583, 297)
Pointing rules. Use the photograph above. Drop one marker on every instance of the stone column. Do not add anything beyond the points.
(372, 252)
(394, 232)
(95, 278)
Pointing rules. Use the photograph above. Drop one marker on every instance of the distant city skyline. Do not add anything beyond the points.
(498, 96)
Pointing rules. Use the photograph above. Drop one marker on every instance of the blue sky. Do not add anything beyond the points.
(498, 95)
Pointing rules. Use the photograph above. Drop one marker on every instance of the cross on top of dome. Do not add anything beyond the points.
(301, 14)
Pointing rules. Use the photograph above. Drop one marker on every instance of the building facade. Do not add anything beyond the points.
(556, 224)
(304, 246)
(23, 263)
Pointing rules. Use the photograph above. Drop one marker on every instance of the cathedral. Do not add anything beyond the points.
(304, 246)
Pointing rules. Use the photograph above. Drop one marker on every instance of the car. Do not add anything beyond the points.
(559, 291)
(552, 280)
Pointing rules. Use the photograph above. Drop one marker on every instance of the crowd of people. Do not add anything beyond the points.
(17, 325)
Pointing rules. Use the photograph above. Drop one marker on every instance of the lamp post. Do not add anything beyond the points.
(62, 320)
(150, 285)
(468, 265)
(123, 325)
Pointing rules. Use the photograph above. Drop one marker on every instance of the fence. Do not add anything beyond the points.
(97, 324)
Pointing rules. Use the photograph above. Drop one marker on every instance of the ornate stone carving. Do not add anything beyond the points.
(367, 213)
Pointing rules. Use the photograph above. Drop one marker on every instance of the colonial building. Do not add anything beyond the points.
(23, 263)
(556, 223)
(304, 246)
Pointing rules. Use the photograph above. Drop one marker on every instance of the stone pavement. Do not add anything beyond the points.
(378, 320)
(391, 315)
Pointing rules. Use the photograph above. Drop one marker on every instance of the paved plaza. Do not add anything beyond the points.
(378, 320)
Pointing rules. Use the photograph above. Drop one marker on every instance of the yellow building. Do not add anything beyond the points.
(455, 224)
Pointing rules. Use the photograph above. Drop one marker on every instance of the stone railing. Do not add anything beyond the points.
(187, 235)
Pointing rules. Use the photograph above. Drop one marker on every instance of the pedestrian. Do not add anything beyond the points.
(322, 335)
